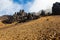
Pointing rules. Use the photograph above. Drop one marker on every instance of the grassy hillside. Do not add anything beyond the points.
(41, 29)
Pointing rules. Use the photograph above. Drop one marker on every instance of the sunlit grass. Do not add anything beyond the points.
(43, 28)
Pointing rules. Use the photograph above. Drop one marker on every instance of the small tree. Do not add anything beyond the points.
(48, 14)
(42, 13)
(29, 17)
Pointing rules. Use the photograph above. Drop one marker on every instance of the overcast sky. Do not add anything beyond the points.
(12, 6)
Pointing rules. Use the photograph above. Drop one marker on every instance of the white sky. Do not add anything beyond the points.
(8, 7)
(42, 4)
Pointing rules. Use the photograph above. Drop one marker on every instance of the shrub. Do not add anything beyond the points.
(42, 13)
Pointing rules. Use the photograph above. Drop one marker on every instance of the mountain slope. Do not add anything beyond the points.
(41, 29)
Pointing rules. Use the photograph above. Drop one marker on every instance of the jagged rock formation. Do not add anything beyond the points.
(21, 16)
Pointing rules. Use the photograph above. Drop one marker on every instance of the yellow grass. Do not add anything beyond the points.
(44, 28)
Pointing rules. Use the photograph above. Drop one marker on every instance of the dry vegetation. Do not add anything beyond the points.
(45, 28)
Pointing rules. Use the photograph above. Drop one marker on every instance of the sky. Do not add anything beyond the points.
(9, 7)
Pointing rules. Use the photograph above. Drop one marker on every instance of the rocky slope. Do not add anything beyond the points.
(44, 28)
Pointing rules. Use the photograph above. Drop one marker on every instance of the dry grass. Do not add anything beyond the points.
(45, 28)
